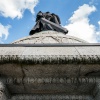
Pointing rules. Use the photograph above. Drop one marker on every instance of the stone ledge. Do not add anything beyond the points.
(50, 59)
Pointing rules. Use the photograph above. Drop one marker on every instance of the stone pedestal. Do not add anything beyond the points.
(50, 66)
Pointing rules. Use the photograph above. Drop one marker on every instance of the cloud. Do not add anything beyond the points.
(16, 8)
(4, 31)
(79, 24)
(99, 22)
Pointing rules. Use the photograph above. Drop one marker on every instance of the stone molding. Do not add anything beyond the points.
(50, 59)
(49, 37)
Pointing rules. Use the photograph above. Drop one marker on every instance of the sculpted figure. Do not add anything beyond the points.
(46, 21)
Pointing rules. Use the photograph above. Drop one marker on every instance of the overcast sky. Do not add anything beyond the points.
(80, 17)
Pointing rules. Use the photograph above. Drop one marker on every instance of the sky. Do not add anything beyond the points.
(80, 17)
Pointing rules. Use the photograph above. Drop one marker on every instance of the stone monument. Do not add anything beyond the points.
(50, 65)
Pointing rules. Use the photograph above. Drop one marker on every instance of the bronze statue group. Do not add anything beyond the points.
(41, 26)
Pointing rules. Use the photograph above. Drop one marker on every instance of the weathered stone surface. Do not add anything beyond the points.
(3, 92)
(55, 51)
(11, 51)
(47, 70)
(97, 92)
(89, 51)
(89, 70)
(51, 86)
(11, 70)
(49, 55)
(59, 88)
(53, 70)
(16, 88)
(49, 37)
(52, 97)
(2, 96)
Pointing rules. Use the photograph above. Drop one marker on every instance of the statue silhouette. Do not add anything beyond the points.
(45, 21)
